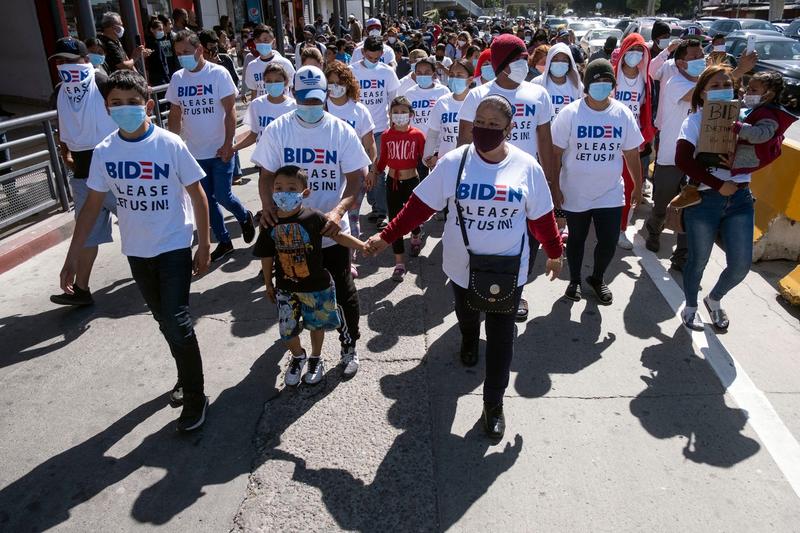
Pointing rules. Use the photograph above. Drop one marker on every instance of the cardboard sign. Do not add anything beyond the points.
(716, 132)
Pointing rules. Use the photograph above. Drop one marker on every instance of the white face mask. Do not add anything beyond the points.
(119, 32)
(401, 119)
(336, 90)
(719, 48)
(518, 70)
(374, 33)
(663, 43)
(752, 100)
(461, 43)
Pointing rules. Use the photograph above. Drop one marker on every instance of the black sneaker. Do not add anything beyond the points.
(653, 243)
(373, 216)
(601, 290)
(222, 249)
(677, 265)
(79, 297)
(193, 414)
(470, 350)
(494, 421)
(522, 311)
(573, 291)
(176, 395)
(248, 229)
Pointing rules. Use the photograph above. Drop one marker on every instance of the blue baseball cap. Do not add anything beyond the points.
(309, 83)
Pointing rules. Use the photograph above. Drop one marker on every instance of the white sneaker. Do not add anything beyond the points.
(349, 361)
(316, 369)
(624, 242)
(295, 370)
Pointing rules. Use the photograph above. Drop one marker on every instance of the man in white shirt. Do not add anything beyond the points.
(264, 39)
(330, 152)
(379, 86)
(374, 30)
(203, 96)
(308, 41)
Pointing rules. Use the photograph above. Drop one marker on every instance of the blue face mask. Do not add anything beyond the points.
(474, 64)
(159, 35)
(559, 69)
(274, 89)
(600, 90)
(97, 59)
(189, 62)
(695, 67)
(487, 72)
(128, 117)
(287, 201)
(369, 64)
(633, 58)
(457, 85)
(719, 95)
(310, 113)
(424, 81)
(264, 48)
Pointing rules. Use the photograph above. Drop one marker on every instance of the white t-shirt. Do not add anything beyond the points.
(254, 73)
(83, 120)
(200, 96)
(261, 112)
(387, 57)
(690, 131)
(630, 92)
(354, 113)
(593, 142)
(497, 201)
(298, 51)
(672, 111)
(562, 95)
(326, 152)
(406, 82)
(423, 102)
(444, 119)
(378, 85)
(532, 108)
(148, 178)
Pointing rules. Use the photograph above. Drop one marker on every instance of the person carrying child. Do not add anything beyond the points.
(401, 152)
(303, 289)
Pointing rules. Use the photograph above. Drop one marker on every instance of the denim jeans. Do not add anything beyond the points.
(164, 282)
(217, 185)
(606, 228)
(377, 195)
(732, 218)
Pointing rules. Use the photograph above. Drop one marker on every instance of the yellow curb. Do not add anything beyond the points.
(789, 287)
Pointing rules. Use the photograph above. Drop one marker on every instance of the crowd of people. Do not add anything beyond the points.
(511, 136)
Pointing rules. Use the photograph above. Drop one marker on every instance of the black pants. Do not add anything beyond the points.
(667, 182)
(164, 281)
(499, 343)
(397, 194)
(606, 228)
(336, 260)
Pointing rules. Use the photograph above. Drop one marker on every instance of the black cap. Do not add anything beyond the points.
(611, 43)
(599, 69)
(69, 48)
(309, 28)
(660, 28)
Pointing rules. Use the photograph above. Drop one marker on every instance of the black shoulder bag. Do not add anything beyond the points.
(492, 278)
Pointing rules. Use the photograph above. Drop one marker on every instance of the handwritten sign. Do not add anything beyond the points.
(717, 136)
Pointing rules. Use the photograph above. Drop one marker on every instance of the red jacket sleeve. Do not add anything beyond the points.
(413, 214)
(684, 160)
(546, 232)
(380, 165)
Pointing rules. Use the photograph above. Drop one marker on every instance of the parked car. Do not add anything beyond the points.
(594, 39)
(554, 23)
(581, 27)
(793, 30)
(726, 26)
(777, 53)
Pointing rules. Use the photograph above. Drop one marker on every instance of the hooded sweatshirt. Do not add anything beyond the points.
(561, 95)
(645, 101)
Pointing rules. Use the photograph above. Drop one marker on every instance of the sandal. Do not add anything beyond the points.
(718, 317)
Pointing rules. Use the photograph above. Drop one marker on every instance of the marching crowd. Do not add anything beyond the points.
(511, 137)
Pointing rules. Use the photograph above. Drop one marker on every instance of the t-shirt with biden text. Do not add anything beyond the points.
(593, 142)
(630, 92)
(354, 113)
(326, 151)
(561, 95)
(532, 108)
(673, 110)
(254, 73)
(497, 201)
(422, 102)
(444, 119)
(378, 85)
(148, 177)
(262, 112)
(200, 96)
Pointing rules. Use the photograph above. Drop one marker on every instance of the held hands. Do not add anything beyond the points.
(202, 260)
(374, 245)
(553, 268)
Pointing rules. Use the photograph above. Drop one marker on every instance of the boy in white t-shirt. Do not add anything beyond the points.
(267, 108)
(203, 99)
(156, 182)
(264, 39)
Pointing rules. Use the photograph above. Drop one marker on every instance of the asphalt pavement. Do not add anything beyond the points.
(618, 418)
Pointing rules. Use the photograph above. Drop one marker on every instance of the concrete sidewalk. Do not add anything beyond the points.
(617, 417)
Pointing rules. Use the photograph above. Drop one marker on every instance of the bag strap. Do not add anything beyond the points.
(459, 209)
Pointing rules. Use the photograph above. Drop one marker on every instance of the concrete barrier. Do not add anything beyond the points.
(777, 231)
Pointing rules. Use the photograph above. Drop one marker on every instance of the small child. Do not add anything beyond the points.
(268, 107)
(401, 151)
(303, 288)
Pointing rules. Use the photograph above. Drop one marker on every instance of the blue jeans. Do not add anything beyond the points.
(164, 281)
(237, 166)
(217, 185)
(377, 195)
(732, 218)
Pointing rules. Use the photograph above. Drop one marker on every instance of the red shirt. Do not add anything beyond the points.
(400, 150)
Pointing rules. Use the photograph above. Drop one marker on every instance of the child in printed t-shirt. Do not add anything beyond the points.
(157, 185)
(268, 107)
(401, 151)
(303, 289)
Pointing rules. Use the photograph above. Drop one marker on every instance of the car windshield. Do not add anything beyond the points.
(580, 26)
(556, 22)
(756, 25)
(778, 50)
(603, 34)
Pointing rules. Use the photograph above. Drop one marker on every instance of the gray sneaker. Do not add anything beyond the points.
(316, 369)
(295, 370)
(349, 361)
